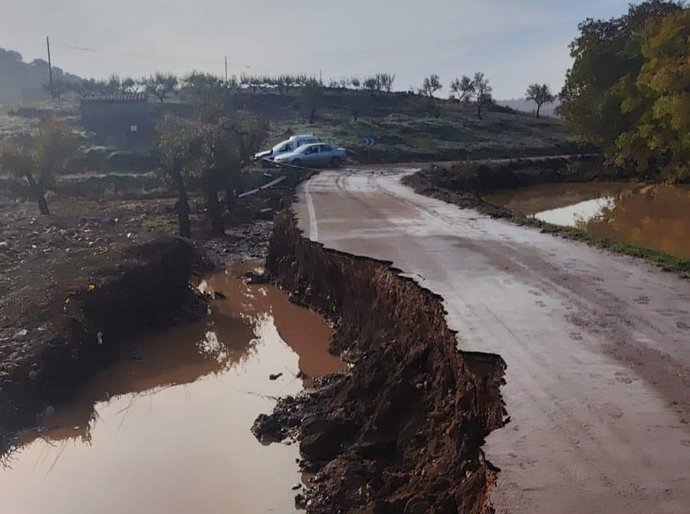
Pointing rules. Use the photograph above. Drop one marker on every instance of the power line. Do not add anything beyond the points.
(160, 57)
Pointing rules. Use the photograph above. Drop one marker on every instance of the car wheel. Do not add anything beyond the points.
(297, 162)
(336, 162)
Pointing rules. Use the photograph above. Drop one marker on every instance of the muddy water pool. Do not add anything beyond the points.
(166, 429)
(650, 216)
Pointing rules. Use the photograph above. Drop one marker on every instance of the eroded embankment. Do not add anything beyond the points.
(68, 336)
(465, 184)
(402, 431)
(482, 177)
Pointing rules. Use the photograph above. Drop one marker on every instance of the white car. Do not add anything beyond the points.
(289, 145)
(315, 155)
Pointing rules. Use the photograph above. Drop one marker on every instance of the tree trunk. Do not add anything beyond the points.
(230, 198)
(479, 110)
(538, 108)
(312, 116)
(39, 195)
(182, 206)
(214, 211)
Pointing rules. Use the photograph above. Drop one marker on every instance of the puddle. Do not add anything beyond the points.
(650, 216)
(166, 429)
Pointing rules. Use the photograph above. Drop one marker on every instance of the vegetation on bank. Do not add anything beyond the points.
(628, 90)
(464, 185)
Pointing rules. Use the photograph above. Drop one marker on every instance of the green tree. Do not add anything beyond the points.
(540, 94)
(179, 150)
(660, 136)
(40, 160)
(161, 85)
(607, 59)
(209, 93)
(482, 92)
(211, 154)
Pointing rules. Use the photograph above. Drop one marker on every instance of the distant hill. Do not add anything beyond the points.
(522, 104)
(23, 81)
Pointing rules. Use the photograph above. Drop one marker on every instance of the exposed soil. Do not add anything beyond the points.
(402, 431)
(598, 367)
(76, 284)
(468, 184)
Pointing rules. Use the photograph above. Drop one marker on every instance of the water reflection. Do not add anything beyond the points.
(650, 216)
(166, 428)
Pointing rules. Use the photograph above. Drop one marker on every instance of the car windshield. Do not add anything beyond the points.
(282, 147)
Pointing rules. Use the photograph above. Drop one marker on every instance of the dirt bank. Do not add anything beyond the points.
(466, 184)
(403, 430)
(109, 266)
(73, 332)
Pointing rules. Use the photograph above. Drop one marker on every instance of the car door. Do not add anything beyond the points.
(325, 154)
(310, 156)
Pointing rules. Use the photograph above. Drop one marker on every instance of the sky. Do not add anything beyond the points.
(514, 42)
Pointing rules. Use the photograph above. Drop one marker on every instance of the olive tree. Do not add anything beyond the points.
(39, 160)
(540, 94)
(160, 85)
(179, 147)
(482, 93)
(311, 98)
(211, 154)
(431, 84)
(384, 82)
(464, 88)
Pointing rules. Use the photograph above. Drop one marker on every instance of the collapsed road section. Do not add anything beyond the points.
(402, 430)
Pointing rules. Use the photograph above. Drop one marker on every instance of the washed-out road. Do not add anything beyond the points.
(597, 344)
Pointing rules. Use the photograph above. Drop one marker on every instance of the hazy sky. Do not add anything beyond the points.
(514, 42)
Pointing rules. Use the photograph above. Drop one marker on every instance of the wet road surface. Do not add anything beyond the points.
(597, 344)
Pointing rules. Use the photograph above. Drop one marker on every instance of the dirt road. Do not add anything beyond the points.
(597, 344)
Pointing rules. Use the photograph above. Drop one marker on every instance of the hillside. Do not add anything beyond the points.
(524, 105)
(405, 127)
(21, 81)
(384, 127)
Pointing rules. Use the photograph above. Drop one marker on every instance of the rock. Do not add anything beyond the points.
(300, 502)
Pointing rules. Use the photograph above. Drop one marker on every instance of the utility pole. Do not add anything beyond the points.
(50, 70)
(226, 69)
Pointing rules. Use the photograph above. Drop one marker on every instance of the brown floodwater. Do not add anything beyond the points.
(650, 216)
(166, 429)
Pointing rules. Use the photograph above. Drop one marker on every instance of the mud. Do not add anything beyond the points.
(165, 428)
(84, 327)
(402, 431)
(481, 177)
(595, 342)
(655, 216)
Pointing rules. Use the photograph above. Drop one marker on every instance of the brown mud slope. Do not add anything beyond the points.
(482, 177)
(72, 333)
(402, 431)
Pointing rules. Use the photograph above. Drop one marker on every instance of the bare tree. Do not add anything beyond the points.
(540, 94)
